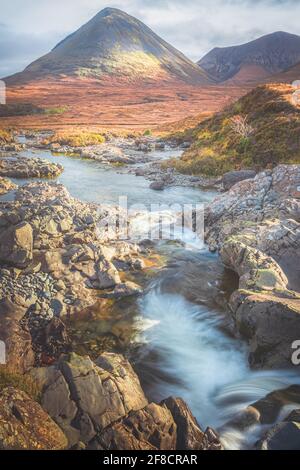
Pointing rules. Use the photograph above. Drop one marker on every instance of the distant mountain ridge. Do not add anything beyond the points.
(255, 60)
(115, 44)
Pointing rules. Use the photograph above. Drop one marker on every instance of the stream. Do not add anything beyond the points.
(183, 346)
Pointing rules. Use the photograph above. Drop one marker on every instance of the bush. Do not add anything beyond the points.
(56, 110)
(6, 137)
(77, 138)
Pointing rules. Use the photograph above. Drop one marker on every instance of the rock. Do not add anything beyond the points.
(294, 416)
(24, 425)
(189, 434)
(6, 186)
(16, 337)
(126, 289)
(267, 410)
(23, 167)
(151, 428)
(282, 436)
(16, 244)
(233, 177)
(108, 275)
(157, 185)
(84, 397)
(256, 228)
(53, 340)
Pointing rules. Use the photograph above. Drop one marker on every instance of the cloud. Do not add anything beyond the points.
(30, 29)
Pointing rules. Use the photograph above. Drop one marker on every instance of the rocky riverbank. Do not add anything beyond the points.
(57, 261)
(256, 228)
(65, 273)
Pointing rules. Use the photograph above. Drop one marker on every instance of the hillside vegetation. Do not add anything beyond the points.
(260, 130)
(6, 137)
(76, 138)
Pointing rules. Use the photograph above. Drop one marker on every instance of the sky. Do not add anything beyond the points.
(30, 28)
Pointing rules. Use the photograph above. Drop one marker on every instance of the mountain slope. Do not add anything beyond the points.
(260, 130)
(114, 44)
(270, 54)
(288, 76)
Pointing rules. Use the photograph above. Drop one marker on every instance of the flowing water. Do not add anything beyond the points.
(183, 346)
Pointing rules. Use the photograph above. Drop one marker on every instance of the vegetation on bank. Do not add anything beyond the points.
(22, 382)
(6, 137)
(76, 138)
(29, 109)
(260, 130)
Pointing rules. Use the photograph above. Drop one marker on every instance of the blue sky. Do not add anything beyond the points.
(29, 29)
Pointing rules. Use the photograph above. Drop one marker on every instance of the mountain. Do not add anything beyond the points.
(114, 44)
(253, 61)
(288, 76)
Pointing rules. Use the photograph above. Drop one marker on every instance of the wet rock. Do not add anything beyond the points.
(16, 245)
(157, 185)
(233, 177)
(283, 436)
(24, 425)
(53, 340)
(294, 416)
(189, 434)
(126, 289)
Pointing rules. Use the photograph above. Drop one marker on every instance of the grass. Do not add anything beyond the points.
(76, 138)
(19, 109)
(217, 147)
(56, 110)
(6, 137)
(21, 382)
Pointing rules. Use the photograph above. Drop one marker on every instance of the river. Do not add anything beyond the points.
(183, 346)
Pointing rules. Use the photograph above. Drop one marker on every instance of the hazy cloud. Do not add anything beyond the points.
(30, 29)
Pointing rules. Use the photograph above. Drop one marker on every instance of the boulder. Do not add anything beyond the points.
(294, 416)
(233, 177)
(157, 185)
(108, 275)
(270, 323)
(282, 436)
(24, 425)
(84, 397)
(151, 428)
(189, 434)
(16, 245)
(256, 228)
